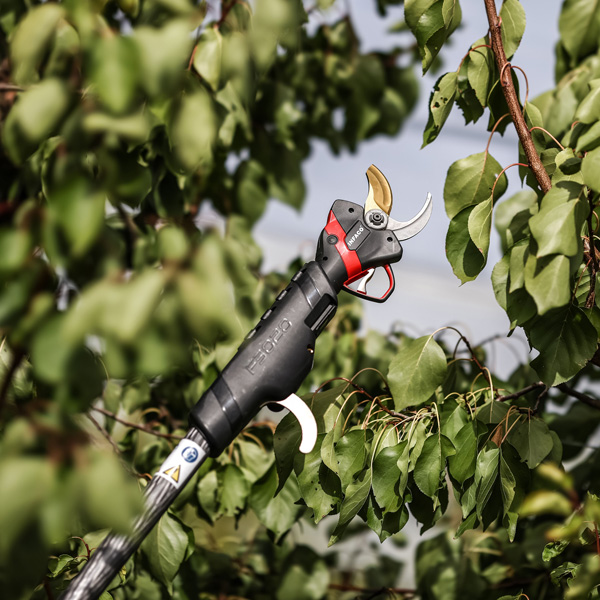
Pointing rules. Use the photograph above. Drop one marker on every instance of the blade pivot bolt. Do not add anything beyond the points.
(332, 239)
(377, 219)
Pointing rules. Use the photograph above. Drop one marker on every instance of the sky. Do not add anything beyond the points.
(428, 296)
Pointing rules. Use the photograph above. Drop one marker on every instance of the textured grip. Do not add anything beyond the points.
(272, 362)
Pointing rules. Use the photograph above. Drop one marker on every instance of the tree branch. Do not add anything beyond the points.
(593, 402)
(526, 390)
(169, 436)
(512, 100)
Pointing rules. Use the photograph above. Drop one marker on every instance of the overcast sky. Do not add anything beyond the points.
(428, 295)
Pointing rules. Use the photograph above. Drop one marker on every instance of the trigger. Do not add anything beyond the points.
(362, 286)
(308, 425)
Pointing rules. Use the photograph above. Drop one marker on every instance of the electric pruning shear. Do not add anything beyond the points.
(272, 361)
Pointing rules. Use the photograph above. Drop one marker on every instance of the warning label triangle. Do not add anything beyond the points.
(173, 473)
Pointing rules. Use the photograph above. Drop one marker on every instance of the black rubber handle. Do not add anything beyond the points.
(272, 362)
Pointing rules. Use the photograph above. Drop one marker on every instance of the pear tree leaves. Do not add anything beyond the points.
(416, 371)
(431, 21)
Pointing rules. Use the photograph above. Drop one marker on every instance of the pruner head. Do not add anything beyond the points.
(379, 205)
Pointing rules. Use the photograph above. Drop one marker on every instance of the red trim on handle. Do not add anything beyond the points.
(366, 296)
(349, 257)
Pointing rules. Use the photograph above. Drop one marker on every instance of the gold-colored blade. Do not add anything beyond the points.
(380, 192)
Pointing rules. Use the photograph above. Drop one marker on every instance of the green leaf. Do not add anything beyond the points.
(508, 484)
(306, 576)
(430, 467)
(470, 181)
(36, 115)
(512, 217)
(79, 209)
(588, 111)
(480, 226)
(193, 131)
(590, 169)
(463, 255)
(165, 548)
(481, 70)
(49, 352)
(544, 502)
(286, 442)
(548, 281)
(234, 490)
(350, 454)
(319, 486)
(486, 471)
(386, 477)
(565, 341)
(207, 56)
(418, 368)
(532, 440)
(579, 26)
(431, 21)
(26, 484)
(462, 464)
(114, 72)
(554, 549)
(31, 41)
(356, 495)
(278, 513)
(557, 226)
(440, 105)
(512, 14)
(164, 54)
(208, 491)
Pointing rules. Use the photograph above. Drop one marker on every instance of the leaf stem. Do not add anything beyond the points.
(510, 95)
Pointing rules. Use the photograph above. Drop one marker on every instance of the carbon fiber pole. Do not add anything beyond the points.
(165, 486)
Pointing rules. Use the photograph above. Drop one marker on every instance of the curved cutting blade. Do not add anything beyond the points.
(404, 230)
(380, 192)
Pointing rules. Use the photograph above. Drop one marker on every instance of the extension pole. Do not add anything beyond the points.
(115, 550)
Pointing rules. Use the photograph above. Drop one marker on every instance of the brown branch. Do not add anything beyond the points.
(347, 587)
(104, 433)
(526, 390)
(169, 436)
(593, 402)
(512, 100)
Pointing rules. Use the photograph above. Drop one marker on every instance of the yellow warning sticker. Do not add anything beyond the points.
(173, 473)
(182, 463)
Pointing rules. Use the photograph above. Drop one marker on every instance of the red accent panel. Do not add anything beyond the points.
(350, 258)
(382, 298)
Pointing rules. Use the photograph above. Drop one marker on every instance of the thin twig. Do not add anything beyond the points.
(104, 433)
(593, 402)
(512, 100)
(526, 390)
(169, 436)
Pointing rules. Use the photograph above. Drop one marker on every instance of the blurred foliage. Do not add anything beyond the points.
(125, 122)
(122, 124)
